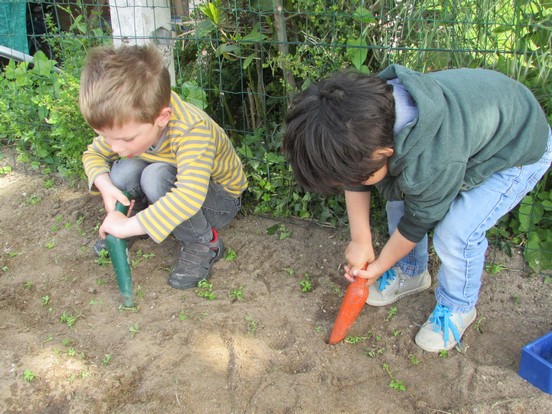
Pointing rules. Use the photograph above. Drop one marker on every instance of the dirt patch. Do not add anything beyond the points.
(263, 353)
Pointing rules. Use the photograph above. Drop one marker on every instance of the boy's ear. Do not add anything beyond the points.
(384, 152)
(163, 118)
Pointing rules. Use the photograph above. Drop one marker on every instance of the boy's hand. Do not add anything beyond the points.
(110, 193)
(371, 273)
(357, 254)
(121, 226)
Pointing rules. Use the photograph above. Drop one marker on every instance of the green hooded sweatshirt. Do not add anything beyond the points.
(471, 124)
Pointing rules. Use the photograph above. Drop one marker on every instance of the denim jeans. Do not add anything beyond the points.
(460, 237)
(148, 182)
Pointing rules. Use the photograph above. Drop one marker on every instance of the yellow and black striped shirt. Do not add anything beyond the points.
(198, 148)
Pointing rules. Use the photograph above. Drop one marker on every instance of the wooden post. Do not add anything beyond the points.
(138, 22)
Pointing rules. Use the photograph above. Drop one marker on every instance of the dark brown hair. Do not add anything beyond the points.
(334, 126)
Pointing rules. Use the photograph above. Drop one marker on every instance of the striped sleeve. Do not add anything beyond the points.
(202, 152)
(97, 159)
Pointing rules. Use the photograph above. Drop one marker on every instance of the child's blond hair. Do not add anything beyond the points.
(125, 84)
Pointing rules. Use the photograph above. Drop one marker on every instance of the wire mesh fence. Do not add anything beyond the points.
(241, 61)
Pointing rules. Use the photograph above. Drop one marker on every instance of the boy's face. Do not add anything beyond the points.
(377, 176)
(134, 138)
(380, 174)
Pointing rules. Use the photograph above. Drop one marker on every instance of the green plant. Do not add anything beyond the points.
(236, 293)
(45, 300)
(494, 268)
(477, 325)
(414, 360)
(305, 283)
(106, 359)
(391, 313)
(103, 259)
(68, 319)
(443, 353)
(230, 254)
(355, 339)
(29, 375)
(205, 290)
(279, 230)
(394, 383)
(252, 325)
(134, 329)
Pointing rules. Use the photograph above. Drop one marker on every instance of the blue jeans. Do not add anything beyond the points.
(148, 182)
(460, 238)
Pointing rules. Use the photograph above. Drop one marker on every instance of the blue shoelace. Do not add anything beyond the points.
(386, 278)
(441, 322)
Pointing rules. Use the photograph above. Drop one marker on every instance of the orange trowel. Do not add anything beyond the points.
(354, 300)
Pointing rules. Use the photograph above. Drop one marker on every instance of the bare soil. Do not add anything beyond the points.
(264, 353)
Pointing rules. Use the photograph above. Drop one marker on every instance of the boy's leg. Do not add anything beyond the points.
(126, 174)
(201, 246)
(415, 262)
(409, 275)
(460, 242)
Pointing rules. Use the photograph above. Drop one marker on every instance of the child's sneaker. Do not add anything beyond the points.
(394, 284)
(443, 329)
(195, 262)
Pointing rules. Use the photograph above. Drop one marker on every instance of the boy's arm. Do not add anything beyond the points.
(360, 249)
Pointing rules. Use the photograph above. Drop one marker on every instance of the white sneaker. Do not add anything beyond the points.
(394, 284)
(443, 329)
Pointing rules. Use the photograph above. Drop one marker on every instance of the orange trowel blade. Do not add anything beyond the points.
(353, 302)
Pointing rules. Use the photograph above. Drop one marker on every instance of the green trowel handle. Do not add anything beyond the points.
(118, 251)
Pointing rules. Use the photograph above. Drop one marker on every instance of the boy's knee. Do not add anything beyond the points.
(157, 179)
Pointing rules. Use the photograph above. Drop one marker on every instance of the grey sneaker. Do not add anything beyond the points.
(195, 262)
(394, 284)
(435, 334)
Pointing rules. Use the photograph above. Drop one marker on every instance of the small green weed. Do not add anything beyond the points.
(48, 183)
(68, 319)
(392, 312)
(182, 316)
(29, 375)
(252, 325)
(394, 383)
(355, 339)
(134, 329)
(33, 200)
(205, 290)
(477, 325)
(494, 268)
(236, 293)
(443, 353)
(279, 230)
(106, 359)
(305, 283)
(28, 285)
(5, 170)
(414, 360)
(289, 270)
(103, 258)
(230, 254)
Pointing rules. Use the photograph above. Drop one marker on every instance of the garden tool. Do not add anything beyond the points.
(354, 300)
(118, 251)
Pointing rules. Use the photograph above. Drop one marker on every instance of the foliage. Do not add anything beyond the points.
(243, 60)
